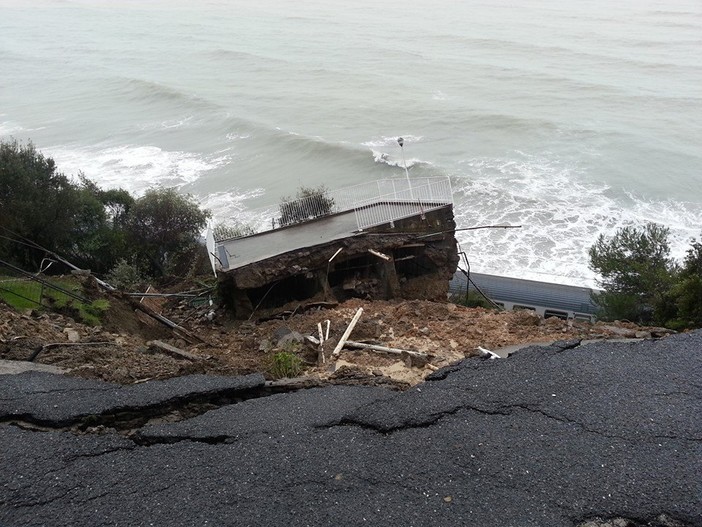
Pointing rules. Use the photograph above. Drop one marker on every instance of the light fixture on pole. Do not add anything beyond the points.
(401, 142)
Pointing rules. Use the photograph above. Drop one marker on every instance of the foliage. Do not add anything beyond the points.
(21, 293)
(687, 292)
(163, 226)
(473, 299)
(93, 313)
(39, 203)
(285, 364)
(643, 284)
(224, 231)
(309, 203)
(94, 228)
(36, 200)
(124, 275)
(636, 272)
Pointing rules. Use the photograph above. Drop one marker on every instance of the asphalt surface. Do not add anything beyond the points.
(551, 436)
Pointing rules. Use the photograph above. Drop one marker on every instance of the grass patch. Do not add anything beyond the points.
(21, 294)
(285, 364)
(92, 313)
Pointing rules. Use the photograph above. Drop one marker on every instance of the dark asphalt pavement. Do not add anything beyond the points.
(548, 437)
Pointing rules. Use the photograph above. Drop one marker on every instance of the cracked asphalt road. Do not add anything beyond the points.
(549, 437)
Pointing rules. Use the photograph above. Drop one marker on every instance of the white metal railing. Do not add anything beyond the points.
(410, 201)
(374, 203)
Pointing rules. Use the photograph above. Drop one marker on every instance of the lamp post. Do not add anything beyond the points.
(401, 142)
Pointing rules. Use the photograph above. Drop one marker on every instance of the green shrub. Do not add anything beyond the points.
(92, 313)
(124, 275)
(224, 231)
(309, 203)
(636, 273)
(285, 364)
(473, 299)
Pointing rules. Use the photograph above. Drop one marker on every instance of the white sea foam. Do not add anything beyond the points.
(136, 168)
(230, 205)
(392, 141)
(560, 218)
(232, 136)
(168, 124)
(9, 128)
(395, 161)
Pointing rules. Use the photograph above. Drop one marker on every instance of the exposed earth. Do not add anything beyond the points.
(213, 343)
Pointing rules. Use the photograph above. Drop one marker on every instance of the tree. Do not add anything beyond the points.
(687, 292)
(636, 273)
(40, 204)
(164, 226)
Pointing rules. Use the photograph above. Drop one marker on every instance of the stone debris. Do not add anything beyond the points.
(446, 333)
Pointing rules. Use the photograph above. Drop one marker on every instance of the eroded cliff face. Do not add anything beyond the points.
(414, 259)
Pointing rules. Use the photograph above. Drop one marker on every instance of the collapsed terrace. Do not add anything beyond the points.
(391, 238)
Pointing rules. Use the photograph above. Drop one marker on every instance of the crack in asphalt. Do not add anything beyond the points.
(503, 410)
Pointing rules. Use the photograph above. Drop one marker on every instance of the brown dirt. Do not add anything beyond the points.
(119, 352)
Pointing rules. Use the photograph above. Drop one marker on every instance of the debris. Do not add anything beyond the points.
(383, 349)
(65, 344)
(487, 353)
(348, 331)
(173, 351)
(321, 334)
(72, 335)
(13, 367)
(379, 255)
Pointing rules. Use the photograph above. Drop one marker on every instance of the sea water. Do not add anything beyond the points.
(568, 118)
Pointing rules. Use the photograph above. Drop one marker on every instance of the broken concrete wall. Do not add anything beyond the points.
(418, 257)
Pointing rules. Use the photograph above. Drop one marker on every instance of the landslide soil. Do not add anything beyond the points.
(119, 351)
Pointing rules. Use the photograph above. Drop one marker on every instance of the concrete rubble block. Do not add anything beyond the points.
(72, 335)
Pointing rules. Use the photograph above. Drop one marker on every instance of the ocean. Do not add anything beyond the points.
(569, 118)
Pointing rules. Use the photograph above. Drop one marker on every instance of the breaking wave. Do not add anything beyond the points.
(135, 168)
(560, 216)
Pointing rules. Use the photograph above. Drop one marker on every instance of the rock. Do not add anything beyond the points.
(280, 332)
(643, 335)
(661, 332)
(525, 318)
(72, 335)
(620, 332)
(291, 336)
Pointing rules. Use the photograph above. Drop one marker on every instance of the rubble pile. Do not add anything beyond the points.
(424, 335)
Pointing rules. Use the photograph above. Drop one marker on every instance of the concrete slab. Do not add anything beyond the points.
(13, 367)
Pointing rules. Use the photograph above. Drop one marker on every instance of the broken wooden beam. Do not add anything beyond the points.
(173, 351)
(379, 254)
(383, 349)
(348, 331)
